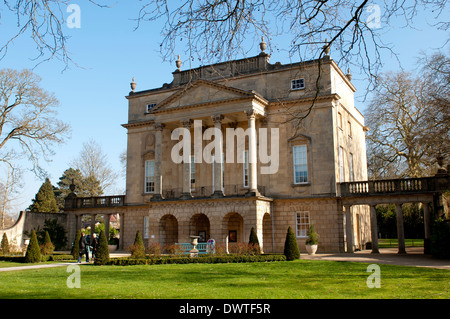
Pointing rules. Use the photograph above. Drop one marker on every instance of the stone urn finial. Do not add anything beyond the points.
(133, 85)
(349, 75)
(262, 45)
(178, 63)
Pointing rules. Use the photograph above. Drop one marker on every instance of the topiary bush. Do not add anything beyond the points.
(76, 246)
(291, 250)
(440, 239)
(4, 245)
(33, 254)
(102, 255)
(137, 249)
(47, 248)
(253, 242)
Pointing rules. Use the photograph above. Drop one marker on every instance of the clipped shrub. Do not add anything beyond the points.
(201, 260)
(5, 245)
(102, 255)
(33, 254)
(253, 242)
(291, 250)
(137, 249)
(47, 248)
(440, 239)
(76, 246)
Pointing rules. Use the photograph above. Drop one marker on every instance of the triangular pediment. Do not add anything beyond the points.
(201, 92)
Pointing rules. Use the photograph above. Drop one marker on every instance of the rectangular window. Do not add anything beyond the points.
(149, 176)
(146, 227)
(192, 172)
(150, 107)
(297, 84)
(341, 164)
(350, 160)
(340, 120)
(245, 169)
(301, 224)
(349, 129)
(300, 164)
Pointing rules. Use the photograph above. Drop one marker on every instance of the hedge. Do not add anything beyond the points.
(21, 259)
(126, 261)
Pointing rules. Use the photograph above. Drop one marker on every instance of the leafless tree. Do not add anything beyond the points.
(93, 163)
(215, 30)
(9, 189)
(43, 21)
(409, 126)
(28, 126)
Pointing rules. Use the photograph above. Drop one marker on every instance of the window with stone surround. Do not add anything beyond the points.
(297, 84)
(149, 176)
(245, 168)
(300, 160)
(301, 224)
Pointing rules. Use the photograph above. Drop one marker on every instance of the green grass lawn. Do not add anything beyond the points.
(393, 242)
(299, 279)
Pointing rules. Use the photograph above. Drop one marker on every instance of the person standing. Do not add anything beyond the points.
(83, 248)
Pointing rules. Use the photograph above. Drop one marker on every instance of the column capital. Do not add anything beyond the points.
(187, 123)
(217, 118)
(251, 113)
(159, 126)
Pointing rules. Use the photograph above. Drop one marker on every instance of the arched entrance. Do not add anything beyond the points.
(199, 226)
(168, 230)
(233, 226)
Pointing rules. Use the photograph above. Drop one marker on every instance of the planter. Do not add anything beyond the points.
(112, 248)
(311, 249)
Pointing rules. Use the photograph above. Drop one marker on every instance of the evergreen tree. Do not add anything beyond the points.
(45, 201)
(33, 254)
(291, 250)
(102, 255)
(76, 246)
(138, 248)
(253, 241)
(70, 175)
(5, 244)
(47, 248)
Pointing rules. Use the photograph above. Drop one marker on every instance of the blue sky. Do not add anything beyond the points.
(111, 53)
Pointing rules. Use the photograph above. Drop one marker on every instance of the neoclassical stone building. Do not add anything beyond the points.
(289, 179)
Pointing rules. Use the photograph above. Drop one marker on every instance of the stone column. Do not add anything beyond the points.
(349, 228)
(400, 229)
(252, 155)
(186, 168)
(374, 229)
(92, 225)
(158, 162)
(107, 218)
(121, 231)
(427, 225)
(218, 157)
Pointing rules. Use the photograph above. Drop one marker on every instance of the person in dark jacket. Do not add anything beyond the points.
(83, 248)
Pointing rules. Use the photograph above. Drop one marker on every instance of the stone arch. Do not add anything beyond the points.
(168, 230)
(233, 228)
(199, 225)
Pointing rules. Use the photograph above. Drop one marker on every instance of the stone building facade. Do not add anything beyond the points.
(288, 180)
